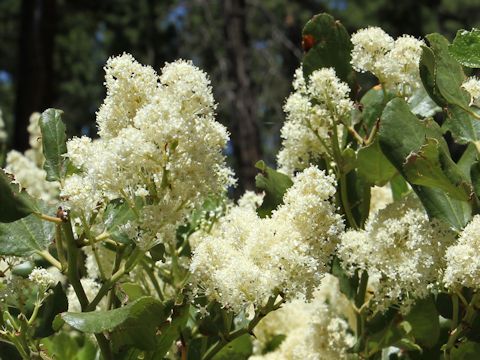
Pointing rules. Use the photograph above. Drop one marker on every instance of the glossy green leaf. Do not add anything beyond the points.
(65, 346)
(463, 126)
(401, 136)
(399, 187)
(373, 165)
(466, 48)
(448, 73)
(427, 68)
(132, 291)
(372, 105)
(239, 349)
(421, 104)
(274, 184)
(439, 205)
(327, 44)
(358, 192)
(15, 201)
(475, 176)
(54, 142)
(25, 236)
(430, 166)
(134, 324)
(466, 351)
(469, 157)
(425, 322)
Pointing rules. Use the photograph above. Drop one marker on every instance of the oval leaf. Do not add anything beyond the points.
(54, 140)
(466, 48)
(25, 236)
(134, 324)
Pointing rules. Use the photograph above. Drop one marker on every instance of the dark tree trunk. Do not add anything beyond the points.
(243, 124)
(35, 65)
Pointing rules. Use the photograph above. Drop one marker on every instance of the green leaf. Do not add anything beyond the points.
(373, 165)
(133, 291)
(427, 68)
(16, 203)
(469, 157)
(54, 140)
(425, 322)
(25, 236)
(421, 104)
(431, 167)
(117, 214)
(65, 346)
(275, 184)
(463, 126)
(466, 48)
(134, 324)
(239, 349)
(466, 351)
(399, 187)
(402, 135)
(171, 332)
(358, 192)
(327, 44)
(54, 304)
(448, 74)
(475, 175)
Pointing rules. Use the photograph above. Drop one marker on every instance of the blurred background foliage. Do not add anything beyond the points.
(52, 54)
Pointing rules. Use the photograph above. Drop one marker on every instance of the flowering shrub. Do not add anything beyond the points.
(362, 245)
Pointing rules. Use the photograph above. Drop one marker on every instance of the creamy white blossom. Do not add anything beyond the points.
(393, 62)
(316, 330)
(370, 46)
(380, 197)
(401, 250)
(245, 258)
(312, 110)
(42, 277)
(463, 263)
(158, 141)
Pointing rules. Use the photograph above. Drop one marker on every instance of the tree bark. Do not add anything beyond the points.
(243, 124)
(35, 65)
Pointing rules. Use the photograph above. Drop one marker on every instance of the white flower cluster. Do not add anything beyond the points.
(463, 263)
(42, 277)
(28, 167)
(312, 110)
(472, 86)
(313, 330)
(245, 259)
(393, 62)
(402, 251)
(158, 140)
(380, 197)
